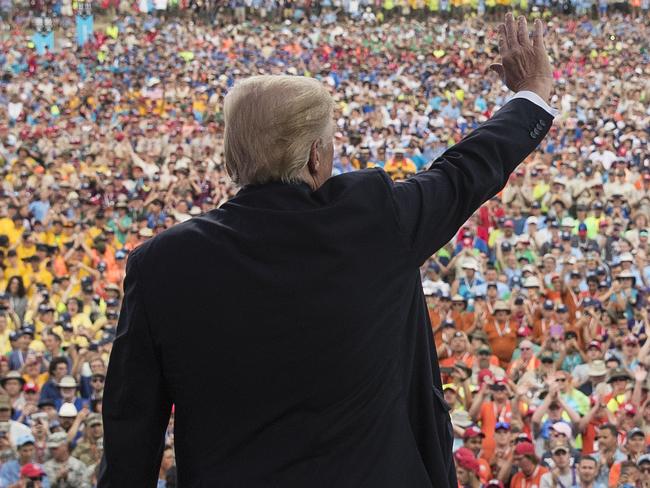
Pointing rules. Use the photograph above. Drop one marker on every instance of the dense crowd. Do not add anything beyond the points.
(538, 306)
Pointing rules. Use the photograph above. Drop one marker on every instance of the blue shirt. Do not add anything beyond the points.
(10, 474)
(39, 209)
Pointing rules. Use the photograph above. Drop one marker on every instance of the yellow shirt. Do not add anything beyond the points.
(81, 320)
(39, 380)
(17, 270)
(25, 251)
(5, 345)
(6, 226)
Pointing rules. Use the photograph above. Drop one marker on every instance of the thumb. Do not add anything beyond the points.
(498, 69)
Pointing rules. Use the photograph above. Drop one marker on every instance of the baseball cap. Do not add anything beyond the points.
(548, 305)
(93, 419)
(502, 426)
(595, 344)
(643, 459)
(56, 439)
(562, 428)
(25, 439)
(525, 449)
(31, 470)
(472, 432)
(560, 447)
(634, 432)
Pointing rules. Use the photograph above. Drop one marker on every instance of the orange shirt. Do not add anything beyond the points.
(541, 330)
(484, 471)
(488, 417)
(502, 339)
(519, 480)
(464, 320)
(589, 435)
(464, 357)
(436, 320)
(614, 474)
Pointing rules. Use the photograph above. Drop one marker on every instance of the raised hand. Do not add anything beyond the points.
(524, 64)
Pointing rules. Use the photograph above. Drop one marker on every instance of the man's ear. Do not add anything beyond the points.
(314, 157)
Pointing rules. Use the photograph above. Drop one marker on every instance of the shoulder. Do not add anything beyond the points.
(370, 179)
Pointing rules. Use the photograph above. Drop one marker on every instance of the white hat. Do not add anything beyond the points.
(559, 180)
(532, 282)
(68, 410)
(597, 368)
(145, 232)
(73, 195)
(195, 211)
(523, 238)
(470, 264)
(562, 428)
(532, 220)
(626, 257)
(568, 222)
(67, 382)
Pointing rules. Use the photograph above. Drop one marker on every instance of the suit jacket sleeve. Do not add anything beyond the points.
(136, 405)
(433, 204)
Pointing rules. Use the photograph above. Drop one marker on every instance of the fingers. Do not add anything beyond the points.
(511, 31)
(522, 31)
(538, 34)
(498, 69)
(503, 41)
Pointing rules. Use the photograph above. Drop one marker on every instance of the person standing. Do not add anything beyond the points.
(352, 389)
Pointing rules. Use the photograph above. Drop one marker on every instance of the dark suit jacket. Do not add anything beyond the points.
(290, 329)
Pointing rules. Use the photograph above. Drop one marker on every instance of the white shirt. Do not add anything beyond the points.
(536, 99)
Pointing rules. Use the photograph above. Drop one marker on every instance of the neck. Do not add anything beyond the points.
(530, 470)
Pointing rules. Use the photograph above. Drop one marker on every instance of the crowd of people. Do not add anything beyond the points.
(538, 306)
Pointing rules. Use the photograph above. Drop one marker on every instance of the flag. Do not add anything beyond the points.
(84, 28)
(43, 40)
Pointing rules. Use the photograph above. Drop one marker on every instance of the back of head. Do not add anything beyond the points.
(271, 123)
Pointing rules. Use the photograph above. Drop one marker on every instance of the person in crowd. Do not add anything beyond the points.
(543, 293)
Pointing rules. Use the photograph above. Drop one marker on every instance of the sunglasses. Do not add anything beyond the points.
(560, 453)
(645, 469)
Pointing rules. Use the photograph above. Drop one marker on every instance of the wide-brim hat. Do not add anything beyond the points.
(626, 274)
(67, 382)
(597, 368)
(501, 306)
(12, 375)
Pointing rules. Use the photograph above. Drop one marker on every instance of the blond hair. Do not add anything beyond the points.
(270, 125)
